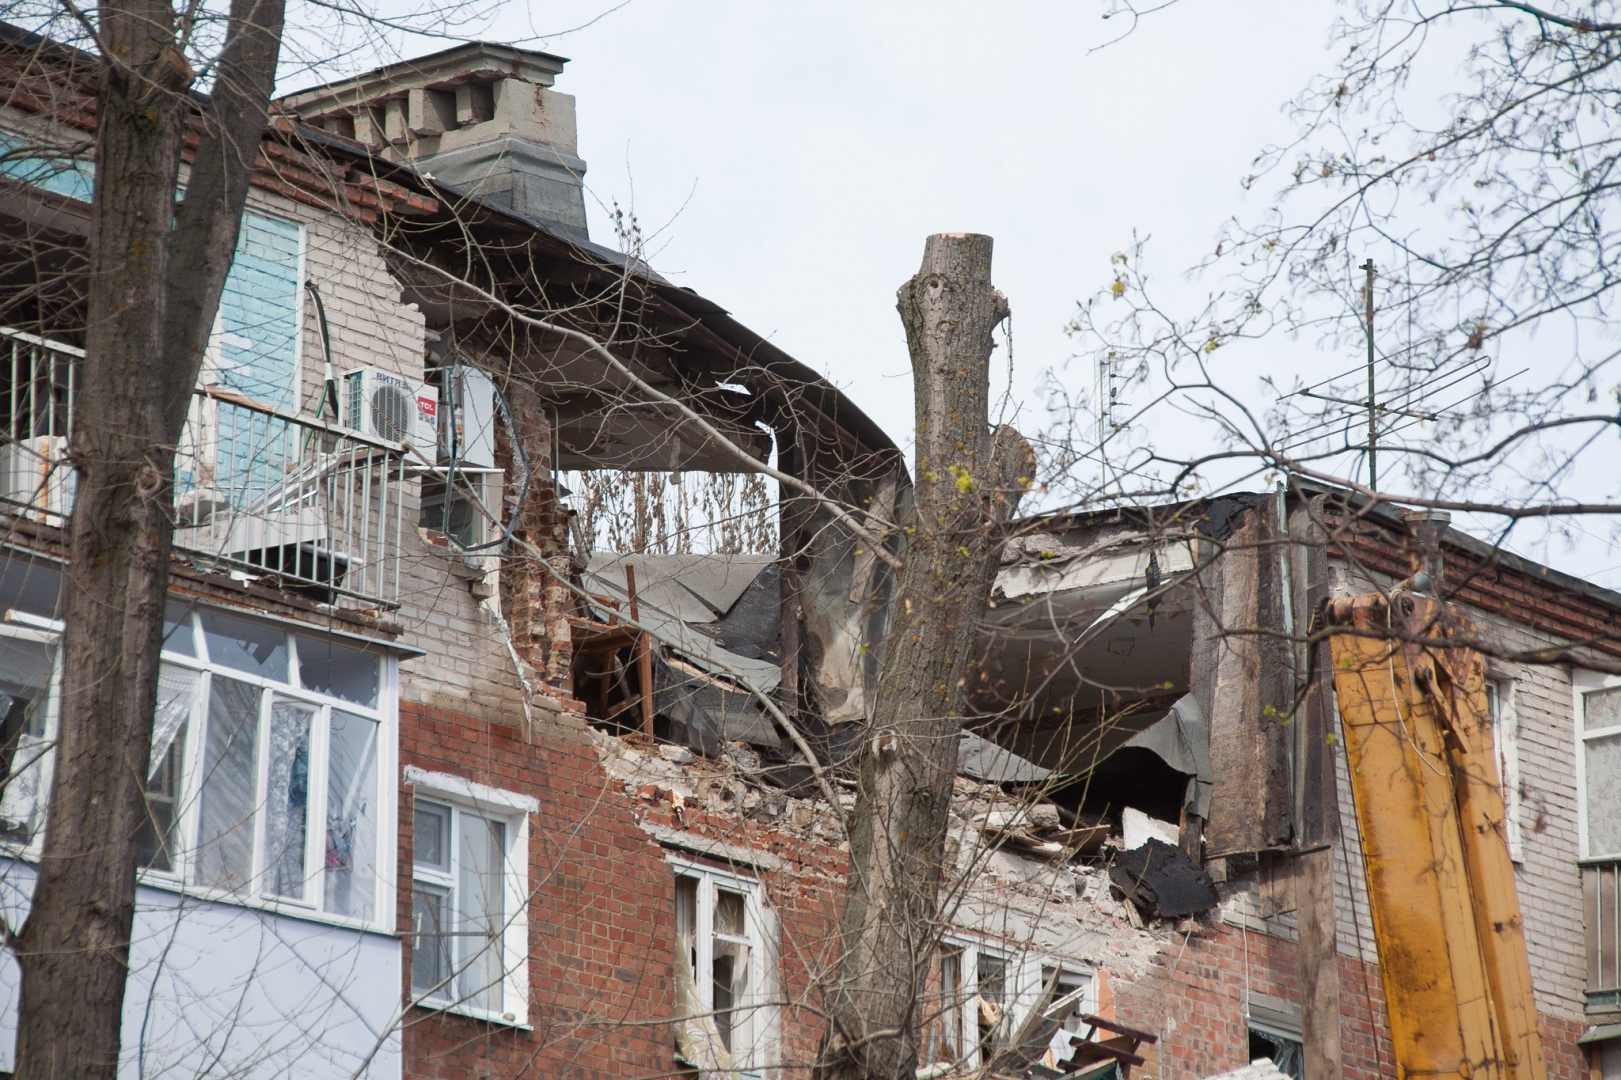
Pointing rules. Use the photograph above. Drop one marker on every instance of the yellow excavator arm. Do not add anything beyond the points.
(1446, 915)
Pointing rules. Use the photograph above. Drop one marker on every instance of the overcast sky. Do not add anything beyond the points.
(791, 158)
(795, 156)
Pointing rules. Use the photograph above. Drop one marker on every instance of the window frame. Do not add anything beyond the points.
(23, 626)
(1089, 1000)
(1503, 708)
(179, 877)
(463, 796)
(764, 1020)
(1583, 682)
(1023, 982)
(20, 626)
(946, 1013)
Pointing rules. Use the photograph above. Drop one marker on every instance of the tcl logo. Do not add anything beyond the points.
(428, 407)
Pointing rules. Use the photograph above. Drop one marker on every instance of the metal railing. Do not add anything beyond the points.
(37, 387)
(258, 490)
(1601, 907)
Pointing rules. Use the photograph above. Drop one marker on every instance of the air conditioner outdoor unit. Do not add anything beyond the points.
(384, 405)
(468, 408)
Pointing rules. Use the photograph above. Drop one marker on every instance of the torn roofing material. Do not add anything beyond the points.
(1065, 625)
(1162, 881)
(984, 760)
(1048, 565)
(1181, 739)
(710, 712)
(692, 588)
(675, 593)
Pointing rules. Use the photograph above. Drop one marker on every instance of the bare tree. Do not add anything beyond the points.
(1445, 247)
(156, 270)
(969, 481)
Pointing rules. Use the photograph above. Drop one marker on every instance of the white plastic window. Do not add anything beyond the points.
(723, 933)
(1598, 765)
(1077, 990)
(945, 1010)
(30, 674)
(28, 684)
(1076, 986)
(1506, 734)
(468, 897)
(979, 986)
(269, 751)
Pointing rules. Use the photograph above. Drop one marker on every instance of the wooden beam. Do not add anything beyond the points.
(644, 655)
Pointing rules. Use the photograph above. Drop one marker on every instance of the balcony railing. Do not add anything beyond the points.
(1601, 904)
(314, 506)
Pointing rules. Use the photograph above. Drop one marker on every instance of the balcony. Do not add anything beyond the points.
(1601, 906)
(316, 508)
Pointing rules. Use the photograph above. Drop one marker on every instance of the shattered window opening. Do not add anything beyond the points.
(1284, 1052)
(1070, 1025)
(724, 971)
(159, 840)
(991, 987)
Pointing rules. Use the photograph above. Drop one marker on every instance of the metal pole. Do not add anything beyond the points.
(1373, 433)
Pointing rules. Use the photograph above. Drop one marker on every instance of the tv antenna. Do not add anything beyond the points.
(1108, 398)
(1370, 403)
(1373, 430)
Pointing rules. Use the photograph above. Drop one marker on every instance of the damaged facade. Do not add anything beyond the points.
(462, 796)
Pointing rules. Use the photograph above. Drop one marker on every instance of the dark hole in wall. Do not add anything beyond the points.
(1132, 777)
(609, 683)
(1285, 1053)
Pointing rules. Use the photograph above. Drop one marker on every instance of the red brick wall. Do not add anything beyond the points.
(535, 599)
(601, 927)
(805, 892)
(1194, 1000)
(601, 921)
(1566, 1061)
(1487, 584)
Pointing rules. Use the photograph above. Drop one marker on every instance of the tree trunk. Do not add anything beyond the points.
(157, 271)
(968, 484)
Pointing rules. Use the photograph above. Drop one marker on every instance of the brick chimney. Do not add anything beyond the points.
(480, 117)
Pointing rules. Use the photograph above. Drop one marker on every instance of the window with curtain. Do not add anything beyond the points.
(265, 782)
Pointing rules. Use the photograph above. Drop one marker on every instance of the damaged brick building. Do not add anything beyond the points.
(579, 812)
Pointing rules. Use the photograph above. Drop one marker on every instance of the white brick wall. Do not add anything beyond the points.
(466, 667)
(1548, 879)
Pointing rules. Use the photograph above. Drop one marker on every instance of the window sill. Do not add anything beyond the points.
(499, 1019)
(758, 1073)
(1603, 1001)
(170, 884)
